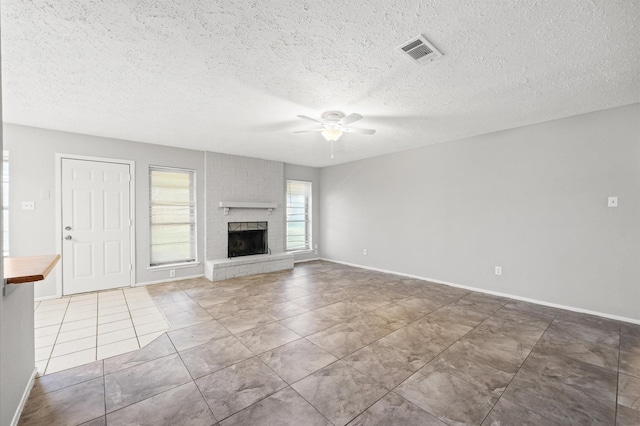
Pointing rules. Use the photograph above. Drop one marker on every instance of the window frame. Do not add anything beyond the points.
(193, 259)
(308, 215)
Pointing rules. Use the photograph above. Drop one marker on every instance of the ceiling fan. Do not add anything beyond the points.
(334, 124)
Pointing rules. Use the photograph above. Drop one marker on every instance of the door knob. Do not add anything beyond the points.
(67, 228)
(68, 237)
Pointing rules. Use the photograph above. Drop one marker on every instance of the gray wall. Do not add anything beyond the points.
(532, 200)
(244, 179)
(32, 171)
(2, 324)
(18, 349)
(17, 353)
(309, 174)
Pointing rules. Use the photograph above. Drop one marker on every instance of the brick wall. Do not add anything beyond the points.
(234, 178)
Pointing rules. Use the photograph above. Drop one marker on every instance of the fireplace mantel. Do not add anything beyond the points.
(226, 205)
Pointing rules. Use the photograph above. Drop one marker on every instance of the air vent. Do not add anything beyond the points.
(419, 50)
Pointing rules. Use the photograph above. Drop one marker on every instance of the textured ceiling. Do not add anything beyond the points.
(230, 76)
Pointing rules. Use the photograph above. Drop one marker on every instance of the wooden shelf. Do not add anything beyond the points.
(20, 270)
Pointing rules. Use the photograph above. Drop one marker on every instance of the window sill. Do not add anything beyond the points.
(173, 266)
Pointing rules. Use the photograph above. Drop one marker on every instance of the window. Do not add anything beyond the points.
(298, 215)
(172, 215)
(5, 203)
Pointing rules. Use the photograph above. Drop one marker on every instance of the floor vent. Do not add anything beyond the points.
(419, 50)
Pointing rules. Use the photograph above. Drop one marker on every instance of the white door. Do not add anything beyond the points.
(96, 222)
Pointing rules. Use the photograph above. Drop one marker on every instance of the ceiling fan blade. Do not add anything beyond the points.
(358, 130)
(304, 117)
(319, 129)
(351, 118)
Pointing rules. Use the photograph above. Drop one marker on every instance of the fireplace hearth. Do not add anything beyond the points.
(247, 238)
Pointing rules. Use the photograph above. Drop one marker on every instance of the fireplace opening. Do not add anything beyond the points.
(247, 238)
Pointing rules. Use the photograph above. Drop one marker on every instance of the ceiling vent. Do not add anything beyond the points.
(419, 50)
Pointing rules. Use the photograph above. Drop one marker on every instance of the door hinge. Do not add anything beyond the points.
(128, 178)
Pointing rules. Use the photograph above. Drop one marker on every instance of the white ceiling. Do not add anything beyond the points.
(230, 76)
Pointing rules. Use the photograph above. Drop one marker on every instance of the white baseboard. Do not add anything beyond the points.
(306, 260)
(40, 299)
(494, 293)
(167, 280)
(25, 397)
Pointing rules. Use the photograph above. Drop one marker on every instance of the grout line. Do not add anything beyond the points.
(104, 389)
(313, 406)
(56, 339)
(519, 368)
(135, 331)
(97, 321)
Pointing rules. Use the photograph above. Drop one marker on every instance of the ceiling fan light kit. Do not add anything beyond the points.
(333, 124)
(331, 135)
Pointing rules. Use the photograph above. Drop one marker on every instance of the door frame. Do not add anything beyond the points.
(132, 210)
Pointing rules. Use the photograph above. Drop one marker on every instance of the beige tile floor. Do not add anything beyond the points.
(79, 329)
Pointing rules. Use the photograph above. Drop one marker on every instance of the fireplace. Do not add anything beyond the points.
(247, 238)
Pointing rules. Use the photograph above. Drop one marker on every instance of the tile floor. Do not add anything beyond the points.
(75, 330)
(329, 344)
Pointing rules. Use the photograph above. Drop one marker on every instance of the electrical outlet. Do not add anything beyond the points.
(172, 273)
(612, 202)
(365, 252)
(28, 205)
(316, 251)
(498, 270)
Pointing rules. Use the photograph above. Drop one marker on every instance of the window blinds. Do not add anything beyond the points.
(298, 215)
(172, 215)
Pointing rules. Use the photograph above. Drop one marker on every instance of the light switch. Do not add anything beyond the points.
(28, 205)
(612, 202)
